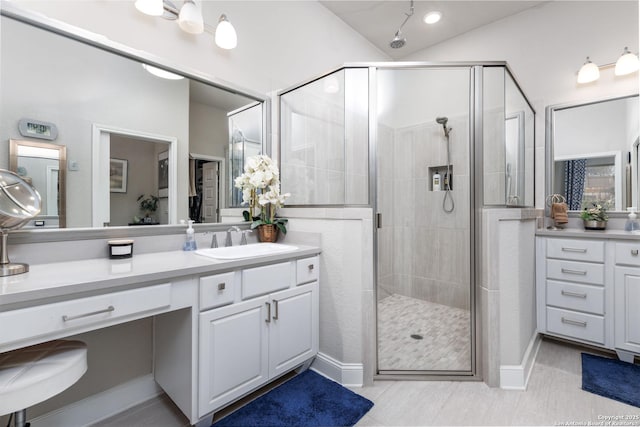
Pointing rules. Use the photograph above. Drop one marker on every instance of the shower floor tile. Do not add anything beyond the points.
(445, 332)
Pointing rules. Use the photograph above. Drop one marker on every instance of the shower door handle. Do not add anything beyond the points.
(378, 220)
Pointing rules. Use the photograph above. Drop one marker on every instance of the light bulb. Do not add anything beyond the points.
(226, 37)
(150, 7)
(159, 72)
(190, 18)
(589, 72)
(627, 63)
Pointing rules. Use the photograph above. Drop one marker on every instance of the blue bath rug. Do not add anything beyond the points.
(611, 378)
(307, 400)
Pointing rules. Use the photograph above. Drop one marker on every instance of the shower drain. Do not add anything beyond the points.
(416, 336)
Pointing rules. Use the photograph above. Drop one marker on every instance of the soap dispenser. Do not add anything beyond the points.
(632, 223)
(436, 181)
(190, 242)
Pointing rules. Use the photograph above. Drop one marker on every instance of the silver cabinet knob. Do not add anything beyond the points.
(634, 252)
(310, 266)
(222, 286)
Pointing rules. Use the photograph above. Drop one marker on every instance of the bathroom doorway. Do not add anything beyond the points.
(205, 181)
(424, 235)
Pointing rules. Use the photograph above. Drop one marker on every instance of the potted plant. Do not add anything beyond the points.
(594, 217)
(148, 205)
(260, 184)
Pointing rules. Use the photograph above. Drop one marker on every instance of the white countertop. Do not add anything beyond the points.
(64, 278)
(589, 234)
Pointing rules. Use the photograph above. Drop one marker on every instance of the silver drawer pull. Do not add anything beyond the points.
(221, 286)
(66, 318)
(310, 266)
(275, 309)
(573, 294)
(634, 252)
(268, 319)
(574, 322)
(568, 271)
(581, 250)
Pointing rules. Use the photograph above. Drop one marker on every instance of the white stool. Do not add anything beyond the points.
(33, 374)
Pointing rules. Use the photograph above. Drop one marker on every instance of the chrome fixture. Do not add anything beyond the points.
(19, 203)
(243, 240)
(399, 41)
(214, 241)
(190, 20)
(227, 241)
(447, 185)
(627, 63)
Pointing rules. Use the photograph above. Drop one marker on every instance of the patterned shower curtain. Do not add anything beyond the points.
(574, 172)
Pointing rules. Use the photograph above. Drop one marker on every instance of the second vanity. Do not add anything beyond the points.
(588, 288)
(221, 328)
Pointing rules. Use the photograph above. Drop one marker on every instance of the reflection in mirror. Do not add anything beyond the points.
(593, 153)
(514, 155)
(43, 165)
(245, 136)
(92, 94)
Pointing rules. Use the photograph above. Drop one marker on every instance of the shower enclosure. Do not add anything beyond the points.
(426, 146)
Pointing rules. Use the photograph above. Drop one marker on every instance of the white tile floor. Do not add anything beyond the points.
(445, 332)
(553, 396)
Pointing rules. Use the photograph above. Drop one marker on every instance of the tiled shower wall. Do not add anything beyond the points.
(423, 252)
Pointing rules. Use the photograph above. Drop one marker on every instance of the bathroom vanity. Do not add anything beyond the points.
(221, 328)
(588, 288)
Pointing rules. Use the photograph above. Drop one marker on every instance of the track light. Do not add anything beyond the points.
(190, 20)
(627, 63)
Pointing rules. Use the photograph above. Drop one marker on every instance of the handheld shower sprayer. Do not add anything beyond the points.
(443, 121)
(447, 187)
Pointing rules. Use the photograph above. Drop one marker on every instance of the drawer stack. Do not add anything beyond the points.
(574, 288)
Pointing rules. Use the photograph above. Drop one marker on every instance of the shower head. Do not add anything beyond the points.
(443, 121)
(398, 41)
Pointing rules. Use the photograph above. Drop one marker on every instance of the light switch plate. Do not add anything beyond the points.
(73, 165)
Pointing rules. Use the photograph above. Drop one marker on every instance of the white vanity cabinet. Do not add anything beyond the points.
(270, 328)
(627, 298)
(588, 290)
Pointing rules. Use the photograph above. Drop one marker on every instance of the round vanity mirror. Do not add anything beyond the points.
(19, 203)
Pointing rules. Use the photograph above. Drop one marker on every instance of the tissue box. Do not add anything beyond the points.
(122, 248)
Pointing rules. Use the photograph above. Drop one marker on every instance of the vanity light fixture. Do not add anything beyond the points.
(159, 72)
(190, 20)
(432, 17)
(627, 63)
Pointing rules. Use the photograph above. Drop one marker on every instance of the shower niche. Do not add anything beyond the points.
(445, 178)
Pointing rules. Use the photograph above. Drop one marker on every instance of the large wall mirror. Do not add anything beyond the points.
(593, 153)
(132, 132)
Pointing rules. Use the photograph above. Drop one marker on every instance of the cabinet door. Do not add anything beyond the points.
(293, 332)
(233, 352)
(627, 309)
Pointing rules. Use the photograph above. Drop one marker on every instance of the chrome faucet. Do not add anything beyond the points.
(227, 241)
(243, 240)
(214, 241)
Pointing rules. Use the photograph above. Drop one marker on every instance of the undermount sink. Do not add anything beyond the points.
(246, 251)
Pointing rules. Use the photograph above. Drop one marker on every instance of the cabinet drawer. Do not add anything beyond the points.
(572, 271)
(628, 253)
(217, 290)
(307, 270)
(576, 297)
(587, 327)
(576, 249)
(266, 279)
(69, 315)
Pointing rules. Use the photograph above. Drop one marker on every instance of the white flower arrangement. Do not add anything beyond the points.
(260, 185)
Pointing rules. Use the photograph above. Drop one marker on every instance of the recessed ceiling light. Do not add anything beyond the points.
(432, 17)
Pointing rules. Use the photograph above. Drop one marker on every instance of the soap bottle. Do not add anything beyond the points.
(436, 181)
(190, 242)
(632, 223)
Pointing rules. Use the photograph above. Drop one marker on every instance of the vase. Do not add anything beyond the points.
(268, 233)
(594, 225)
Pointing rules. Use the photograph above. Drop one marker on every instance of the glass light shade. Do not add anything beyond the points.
(226, 36)
(432, 17)
(627, 63)
(588, 73)
(190, 18)
(158, 72)
(150, 7)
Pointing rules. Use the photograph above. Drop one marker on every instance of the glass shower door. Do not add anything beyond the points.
(424, 291)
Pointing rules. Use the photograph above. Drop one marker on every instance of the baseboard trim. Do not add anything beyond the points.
(516, 377)
(102, 405)
(347, 374)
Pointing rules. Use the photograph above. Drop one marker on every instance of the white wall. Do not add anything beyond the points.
(545, 46)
